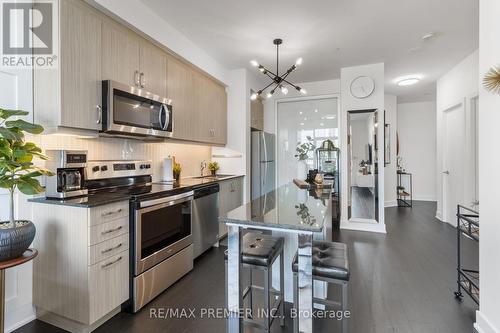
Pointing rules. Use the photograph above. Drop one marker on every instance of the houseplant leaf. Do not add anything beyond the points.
(8, 134)
(29, 186)
(25, 126)
(5, 113)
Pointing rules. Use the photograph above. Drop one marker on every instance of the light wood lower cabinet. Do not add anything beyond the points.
(230, 197)
(82, 271)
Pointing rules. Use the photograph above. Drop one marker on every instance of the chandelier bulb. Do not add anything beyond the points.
(303, 91)
(254, 63)
(253, 96)
(284, 90)
(269, 95)
(298, 62)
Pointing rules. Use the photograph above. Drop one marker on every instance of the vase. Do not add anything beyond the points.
(214, 172)
(301, 170)
(15, 240)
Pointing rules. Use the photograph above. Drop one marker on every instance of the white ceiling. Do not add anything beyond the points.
(330, 34)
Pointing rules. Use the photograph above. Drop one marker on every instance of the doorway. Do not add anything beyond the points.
(453, 160)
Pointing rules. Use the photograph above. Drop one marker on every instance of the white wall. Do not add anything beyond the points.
(417, 144)
(457, 86)
(375, 101)
(390, 181)
(488, 316)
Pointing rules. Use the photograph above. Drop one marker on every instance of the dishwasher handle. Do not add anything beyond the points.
(206, 190)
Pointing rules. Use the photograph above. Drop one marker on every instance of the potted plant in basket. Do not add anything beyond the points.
(213, 167)
(17, 171)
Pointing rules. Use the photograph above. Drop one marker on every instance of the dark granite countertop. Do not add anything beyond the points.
(287, 207)
(104, 198)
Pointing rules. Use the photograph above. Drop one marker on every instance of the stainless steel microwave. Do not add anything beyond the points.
(128, 110)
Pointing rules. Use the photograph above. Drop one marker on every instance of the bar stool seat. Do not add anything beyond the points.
(259, 252)
(259, 249)
(329, 260)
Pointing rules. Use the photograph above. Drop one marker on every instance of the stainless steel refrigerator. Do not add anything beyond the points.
(263, 163)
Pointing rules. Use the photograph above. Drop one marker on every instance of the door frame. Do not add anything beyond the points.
(460, 104)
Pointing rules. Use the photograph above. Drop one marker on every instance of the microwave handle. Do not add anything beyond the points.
(160, 114)
(167, 117)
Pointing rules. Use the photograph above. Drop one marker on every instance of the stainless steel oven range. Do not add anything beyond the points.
(163, 244)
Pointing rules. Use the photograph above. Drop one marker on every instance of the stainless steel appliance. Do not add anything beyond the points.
(163, 244)
(69, 168)
(130, 110)
(205, 218)
(263, 163)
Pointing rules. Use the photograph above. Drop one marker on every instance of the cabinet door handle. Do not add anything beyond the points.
(111, 230)
(99, 114)
(111, 213)
(136, 78)
(111, 263)
(111, 248)
(142, 80)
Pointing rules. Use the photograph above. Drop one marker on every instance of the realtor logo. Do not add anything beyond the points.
(28, 34)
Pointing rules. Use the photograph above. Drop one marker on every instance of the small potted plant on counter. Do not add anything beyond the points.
(17, 171)
(176, 170)
(213, 167)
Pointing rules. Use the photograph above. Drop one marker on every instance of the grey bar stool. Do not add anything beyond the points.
(260, 251)
(330, 264)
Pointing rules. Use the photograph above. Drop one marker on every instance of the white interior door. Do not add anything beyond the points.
(474, 197)
(453, 160)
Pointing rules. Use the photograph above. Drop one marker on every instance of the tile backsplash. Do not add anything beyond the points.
(188, 155)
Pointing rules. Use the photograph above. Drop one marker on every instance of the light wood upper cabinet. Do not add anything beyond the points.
(153, 66)
(120, 54)
(70, 95)
(211, 110)
(180, 88)
(257, 115)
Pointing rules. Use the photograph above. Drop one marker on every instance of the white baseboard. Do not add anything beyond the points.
(392, 203)
(22, 322)
(439, 216)
(483, 325)
(424, 198)
(363, 226)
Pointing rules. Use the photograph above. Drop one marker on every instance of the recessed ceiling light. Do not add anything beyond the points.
(300, 112)
(429, 36)
(408, 80)
(316, 110)
(301, 124)
(330, 116)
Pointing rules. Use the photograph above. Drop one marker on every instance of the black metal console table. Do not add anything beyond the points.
(467, 279)
(405, 197)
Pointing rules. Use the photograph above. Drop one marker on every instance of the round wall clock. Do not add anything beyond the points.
(362, 87)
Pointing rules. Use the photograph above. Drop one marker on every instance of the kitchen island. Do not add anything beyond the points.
(300, 213)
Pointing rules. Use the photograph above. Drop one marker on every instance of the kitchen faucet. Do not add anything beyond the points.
(203, 166)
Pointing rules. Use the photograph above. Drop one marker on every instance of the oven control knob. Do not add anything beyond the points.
(95, 169)
(104, 168)
(142, 166)
(148, 166)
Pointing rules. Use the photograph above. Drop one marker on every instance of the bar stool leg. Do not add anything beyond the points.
(344, 306)
(282, 289)
(250, 293)
(295, 302)
(267, 308)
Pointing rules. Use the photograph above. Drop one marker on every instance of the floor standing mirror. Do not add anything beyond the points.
(363, 165)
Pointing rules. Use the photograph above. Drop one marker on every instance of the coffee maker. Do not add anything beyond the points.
(69, 168)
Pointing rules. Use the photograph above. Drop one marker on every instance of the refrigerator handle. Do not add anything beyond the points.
(264, 146)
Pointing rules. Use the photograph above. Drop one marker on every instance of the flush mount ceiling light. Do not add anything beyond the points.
(408, 80)
(278, 81)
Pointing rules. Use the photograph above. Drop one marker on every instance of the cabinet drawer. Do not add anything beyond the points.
(106, 213)
(108, 248)
(108, 285)
(100, 233)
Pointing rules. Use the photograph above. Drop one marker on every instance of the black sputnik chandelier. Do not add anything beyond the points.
(278, 81)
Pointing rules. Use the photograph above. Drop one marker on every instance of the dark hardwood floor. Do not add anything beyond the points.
(400, 282)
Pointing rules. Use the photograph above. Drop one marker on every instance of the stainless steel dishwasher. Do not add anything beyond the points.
(205, 218)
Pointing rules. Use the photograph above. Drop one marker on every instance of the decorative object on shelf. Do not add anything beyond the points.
(17, 171)
(491, 80)
(318, 179)
(302, 155)
(213, 167)
(177, 172)
(362, 87)
(278, 81)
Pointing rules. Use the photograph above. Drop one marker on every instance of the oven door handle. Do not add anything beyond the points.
(169, 201)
